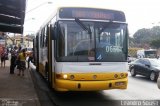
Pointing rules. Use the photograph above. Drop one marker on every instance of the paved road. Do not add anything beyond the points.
(139, 88)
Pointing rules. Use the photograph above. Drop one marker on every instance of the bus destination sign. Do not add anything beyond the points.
(90, 13)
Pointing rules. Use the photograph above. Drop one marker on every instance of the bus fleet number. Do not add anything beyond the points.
(113, 49)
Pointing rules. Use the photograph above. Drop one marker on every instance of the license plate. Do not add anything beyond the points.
(120, 83)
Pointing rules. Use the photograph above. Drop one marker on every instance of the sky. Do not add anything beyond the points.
(139, 13)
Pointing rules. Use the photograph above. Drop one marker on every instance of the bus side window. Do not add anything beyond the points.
(47, 34)
(53, 32)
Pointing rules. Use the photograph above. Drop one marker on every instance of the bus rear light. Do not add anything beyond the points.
(115, 76)
(61, 76)
(72, 77)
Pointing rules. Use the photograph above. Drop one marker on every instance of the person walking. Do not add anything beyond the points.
(22, 62)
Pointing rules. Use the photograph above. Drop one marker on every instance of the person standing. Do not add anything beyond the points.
(3, 58)
(30, 59)
(22, 62)
(13, 61)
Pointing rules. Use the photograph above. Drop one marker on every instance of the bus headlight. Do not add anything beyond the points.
(65, 76)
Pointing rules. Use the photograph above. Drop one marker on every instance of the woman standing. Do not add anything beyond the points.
(22, 62)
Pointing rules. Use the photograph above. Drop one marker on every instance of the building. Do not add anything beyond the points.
(18, 40)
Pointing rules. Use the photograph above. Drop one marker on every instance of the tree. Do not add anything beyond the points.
(155, 43)
(145, 36)
(131, 42)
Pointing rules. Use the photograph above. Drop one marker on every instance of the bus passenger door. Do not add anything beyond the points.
(49, 64)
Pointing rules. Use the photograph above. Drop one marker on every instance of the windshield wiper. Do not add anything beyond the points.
(83, 26)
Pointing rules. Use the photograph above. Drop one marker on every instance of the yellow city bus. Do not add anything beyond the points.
(83, 49)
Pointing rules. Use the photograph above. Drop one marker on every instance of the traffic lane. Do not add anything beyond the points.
(146, 88)
(84, 99)
(139, 88)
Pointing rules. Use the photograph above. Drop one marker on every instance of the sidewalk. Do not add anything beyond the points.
(17, 90)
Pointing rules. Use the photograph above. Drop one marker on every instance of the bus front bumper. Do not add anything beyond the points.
(69, 85)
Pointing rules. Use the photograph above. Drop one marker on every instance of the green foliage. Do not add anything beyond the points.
(155, 43)
(131, 42)
(147, 36)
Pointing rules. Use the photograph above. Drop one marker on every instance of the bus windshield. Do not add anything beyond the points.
(106, 42)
